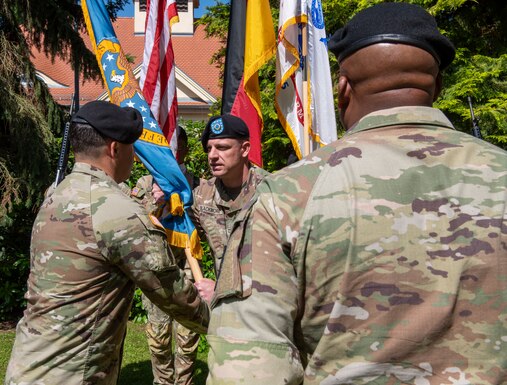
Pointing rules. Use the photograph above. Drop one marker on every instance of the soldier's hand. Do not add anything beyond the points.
(206, 288)
(158, 194)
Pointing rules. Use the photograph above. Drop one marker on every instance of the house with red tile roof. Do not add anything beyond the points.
(197, 80)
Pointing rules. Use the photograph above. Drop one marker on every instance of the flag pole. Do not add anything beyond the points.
(192, 262)
(194, 265)
(306, 115)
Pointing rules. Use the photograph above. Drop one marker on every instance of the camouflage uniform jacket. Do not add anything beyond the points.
(91, 244)
(213, 211)
(141, 192)
(379, 259)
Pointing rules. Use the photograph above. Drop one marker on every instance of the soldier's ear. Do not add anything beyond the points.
(438, 86)
(245, 148)
(343, 92)
(114, 149)
(111, 150)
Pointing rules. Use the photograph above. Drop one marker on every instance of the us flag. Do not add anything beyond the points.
(158, 79)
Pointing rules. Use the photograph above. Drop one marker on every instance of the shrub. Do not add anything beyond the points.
(14, 262)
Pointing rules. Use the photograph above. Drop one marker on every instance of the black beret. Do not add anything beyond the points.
(122, 124)
(224, 126)
(401, 23)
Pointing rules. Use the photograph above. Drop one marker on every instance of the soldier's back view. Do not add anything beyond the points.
(91, 245)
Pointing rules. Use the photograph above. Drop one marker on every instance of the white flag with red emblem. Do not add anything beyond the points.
(298, 17)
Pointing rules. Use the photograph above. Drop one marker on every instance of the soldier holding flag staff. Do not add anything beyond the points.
(91, 245)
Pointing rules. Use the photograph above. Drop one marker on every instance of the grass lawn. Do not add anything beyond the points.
(6, 341)
(136, 365)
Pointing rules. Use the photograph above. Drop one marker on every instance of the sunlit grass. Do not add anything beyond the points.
(136, 365)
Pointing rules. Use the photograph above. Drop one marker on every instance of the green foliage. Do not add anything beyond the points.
(197, 160)
(53, 27)
(208, 271)
(207, 263)
(28, 147)
(14, 264)
(138, 170)
(137, 312)
(213, 22)
(6, 342)
(276, 145)
(484, 79)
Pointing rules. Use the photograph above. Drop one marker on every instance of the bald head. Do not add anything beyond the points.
(383, 76)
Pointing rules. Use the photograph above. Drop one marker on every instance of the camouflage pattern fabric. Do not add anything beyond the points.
(91, 244)
(168, 366)
(214, 210)
(187, 343)
(379, 259)
(142, 193)
(125, 188)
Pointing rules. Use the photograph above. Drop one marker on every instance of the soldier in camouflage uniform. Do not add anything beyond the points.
(91, 245)
(168, 366)
(381, 258)
(218, 201)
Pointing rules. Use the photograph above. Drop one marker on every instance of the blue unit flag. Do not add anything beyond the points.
(152, 147)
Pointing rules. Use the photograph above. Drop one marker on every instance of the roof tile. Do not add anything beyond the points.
(192, 54)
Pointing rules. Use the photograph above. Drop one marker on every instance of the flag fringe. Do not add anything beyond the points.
(175, 205)
(181, 240)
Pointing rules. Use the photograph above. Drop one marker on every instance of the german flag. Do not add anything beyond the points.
(250, 44)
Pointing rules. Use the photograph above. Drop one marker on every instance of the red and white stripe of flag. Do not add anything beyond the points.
(158, 79)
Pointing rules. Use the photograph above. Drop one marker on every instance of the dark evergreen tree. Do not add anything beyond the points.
(31, 123)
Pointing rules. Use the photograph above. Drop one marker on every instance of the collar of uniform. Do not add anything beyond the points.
(250, 181)
(86, 168)
(402, 115)
(223, 196)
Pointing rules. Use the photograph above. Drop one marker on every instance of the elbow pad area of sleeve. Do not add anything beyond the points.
(178, 297)
(267, 362)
